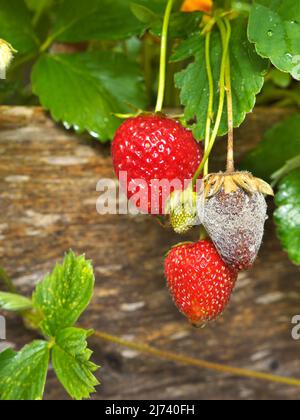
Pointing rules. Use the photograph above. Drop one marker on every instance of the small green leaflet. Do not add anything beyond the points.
(23, 376)
(13, 302)
(71, 362)
(279, 145)
(274, 27)
(84, 90)
(64, 294)
(287, 216)
(248, 71)
(16, 27)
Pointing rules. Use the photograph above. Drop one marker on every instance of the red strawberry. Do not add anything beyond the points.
(200, 282)
(152, 148)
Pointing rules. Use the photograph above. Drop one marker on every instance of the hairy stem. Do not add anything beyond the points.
(225, 42)
(180, 358)
(230, 151)
(198, 363)
(211, 97)
(147, 65)
(163, 57)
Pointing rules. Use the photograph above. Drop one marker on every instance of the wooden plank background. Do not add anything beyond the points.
(47, 205)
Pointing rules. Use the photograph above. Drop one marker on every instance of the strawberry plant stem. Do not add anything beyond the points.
(227, 4)
(163, 57)
(147, 65)
(7, 281)
(211, 97)
(225, 42)
(203, 234)
(230, 153)
(290, 166)
(189, 361)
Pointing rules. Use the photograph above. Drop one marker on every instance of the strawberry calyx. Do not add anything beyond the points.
(231, 182)
(178, 245)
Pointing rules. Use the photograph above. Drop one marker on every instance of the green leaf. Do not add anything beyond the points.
(143, 13)
(96, 20)
(248, 71)
(151, 13)
(287, 216)
(190, 47)
(279, 145)
(16, 27)
(6, 357)
(24, 376)
(13, 302)
(280, 79)
(39, 5)
(156, 6)
(274, 27)
(71, 362)
(83, 90)
(64, 294)
(181, 24)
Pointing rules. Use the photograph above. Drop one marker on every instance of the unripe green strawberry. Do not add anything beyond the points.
(182, 207)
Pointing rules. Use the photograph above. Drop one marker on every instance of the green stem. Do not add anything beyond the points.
(225, 42)
(147, 65)
(163, 57)
(286, 169)
(7, 281)
(230, 147)
(211, 98)
(37, 16)
(24, 60)
(196, 363)
(203, 234)
(47, 44)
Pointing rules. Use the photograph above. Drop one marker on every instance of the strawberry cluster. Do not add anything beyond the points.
(201, 276)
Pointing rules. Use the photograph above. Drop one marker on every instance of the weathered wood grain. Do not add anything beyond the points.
(47, 205)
